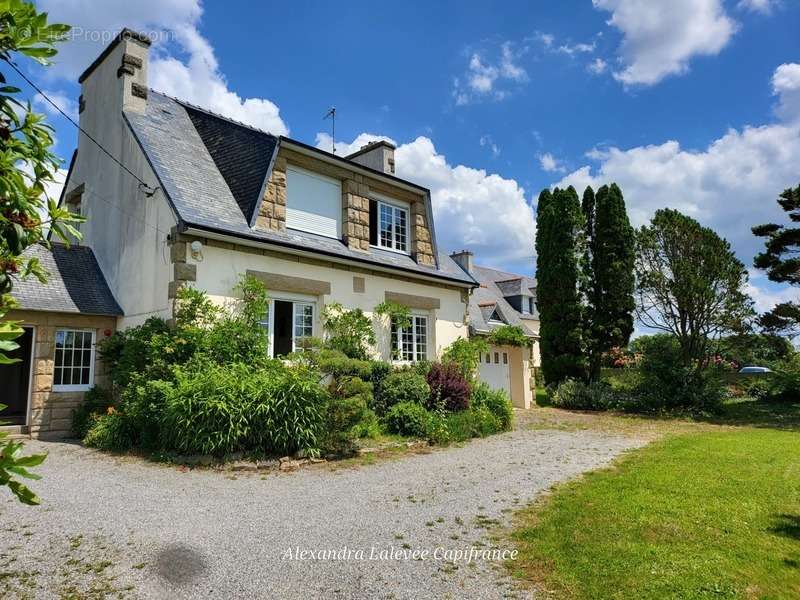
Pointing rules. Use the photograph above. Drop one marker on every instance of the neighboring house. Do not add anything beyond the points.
(208, 200)
(504, 299)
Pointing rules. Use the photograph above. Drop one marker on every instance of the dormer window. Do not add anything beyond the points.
(388, 225)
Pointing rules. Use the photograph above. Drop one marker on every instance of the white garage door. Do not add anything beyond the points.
(493, 370)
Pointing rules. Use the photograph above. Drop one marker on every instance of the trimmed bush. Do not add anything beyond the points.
(408, 418)
(448, 387)
(368, 427)
(577, 395)
(496, 401)
(404, 386)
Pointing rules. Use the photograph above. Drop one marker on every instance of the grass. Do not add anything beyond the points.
(712, 509)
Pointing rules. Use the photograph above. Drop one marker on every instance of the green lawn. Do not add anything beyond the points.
(710, 514)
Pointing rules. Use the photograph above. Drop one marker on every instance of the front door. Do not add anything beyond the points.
(493, 370)
(15, 381)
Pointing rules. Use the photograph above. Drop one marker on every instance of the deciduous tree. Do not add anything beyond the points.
(689, 283)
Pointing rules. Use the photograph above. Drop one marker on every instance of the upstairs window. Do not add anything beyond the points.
(410, 344)
(388, 226)
(313, 203)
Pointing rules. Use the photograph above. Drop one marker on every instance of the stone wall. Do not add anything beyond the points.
(51, 412)
(272, 213)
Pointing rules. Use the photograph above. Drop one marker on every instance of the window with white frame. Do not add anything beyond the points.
(74, 360)
(410, 343)
(288, 323)
(388, 226)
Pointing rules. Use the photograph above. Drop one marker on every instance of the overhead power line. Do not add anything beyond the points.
(146, 189)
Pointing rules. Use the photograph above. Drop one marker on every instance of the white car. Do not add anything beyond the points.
(754, 370)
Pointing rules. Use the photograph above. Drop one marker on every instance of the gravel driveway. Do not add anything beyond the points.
(126, 527)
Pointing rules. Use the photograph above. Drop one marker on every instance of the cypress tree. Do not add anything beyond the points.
(608, 274)
(559, 227)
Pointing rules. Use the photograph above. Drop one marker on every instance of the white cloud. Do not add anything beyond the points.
(572, 49)
(766, 294)
(546, 39)
(174, 25)
(483, 76)
(549, 163)
(60, 99)
(730, 186)
(661, 38)
(786, 85)
(486, 141)
(597, 66)
(761, 6)
(462, 198)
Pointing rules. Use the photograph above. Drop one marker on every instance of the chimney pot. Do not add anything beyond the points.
(378, 155)
(463, 259)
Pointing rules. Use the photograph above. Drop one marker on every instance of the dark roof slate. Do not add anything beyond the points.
(242, 155)
(75, 283)
(202, 198)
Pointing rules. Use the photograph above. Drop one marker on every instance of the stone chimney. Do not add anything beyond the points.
(117, 79)
(463, 259)
(378, 155)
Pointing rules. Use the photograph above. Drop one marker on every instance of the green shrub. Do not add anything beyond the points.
(404, 386)
(667, 385)
(337, 364)
(142, 402)
(378, 371)
(349, 331)
(484, 422)
(207, 410)
(577, 395)
(111, 431)
(782, 385)
(408, 418)
(95, 402)
(287, 410)
(496, 401)
(348, 406)
(466, 354)
(343, 415)
(368, 427)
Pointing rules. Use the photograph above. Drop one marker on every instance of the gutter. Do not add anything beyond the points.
(300, 250)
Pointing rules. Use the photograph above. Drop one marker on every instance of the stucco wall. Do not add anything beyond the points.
(220, 268)
(126, 229)
(49, 412)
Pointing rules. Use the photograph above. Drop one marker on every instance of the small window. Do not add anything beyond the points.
(388, 226)
(505, 358)
(497, 358)
(488, 359)
(530, 305)
(74, 360)
(410, 343)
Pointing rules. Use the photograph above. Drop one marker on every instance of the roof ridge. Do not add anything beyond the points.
(208, 111)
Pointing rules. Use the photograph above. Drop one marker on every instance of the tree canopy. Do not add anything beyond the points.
(689, 283)
(781, 260)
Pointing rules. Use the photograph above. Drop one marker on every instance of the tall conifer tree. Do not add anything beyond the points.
(558, 250)
(608, 274)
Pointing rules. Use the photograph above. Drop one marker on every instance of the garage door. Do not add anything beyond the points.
(493, 370)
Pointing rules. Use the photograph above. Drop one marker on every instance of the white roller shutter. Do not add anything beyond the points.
(313, 203)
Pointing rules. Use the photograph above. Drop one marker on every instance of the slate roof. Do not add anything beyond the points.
(200, 164)
(490, 298)
(75, 283)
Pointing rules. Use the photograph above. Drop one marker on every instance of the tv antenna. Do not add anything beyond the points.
(332, 115)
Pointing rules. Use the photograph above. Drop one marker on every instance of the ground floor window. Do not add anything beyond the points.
(288, 324)
(410, 343)
(74, 360)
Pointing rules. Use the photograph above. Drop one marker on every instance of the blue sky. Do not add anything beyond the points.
(693, 104)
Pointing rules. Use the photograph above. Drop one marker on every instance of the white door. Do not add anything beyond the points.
(493, 370)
